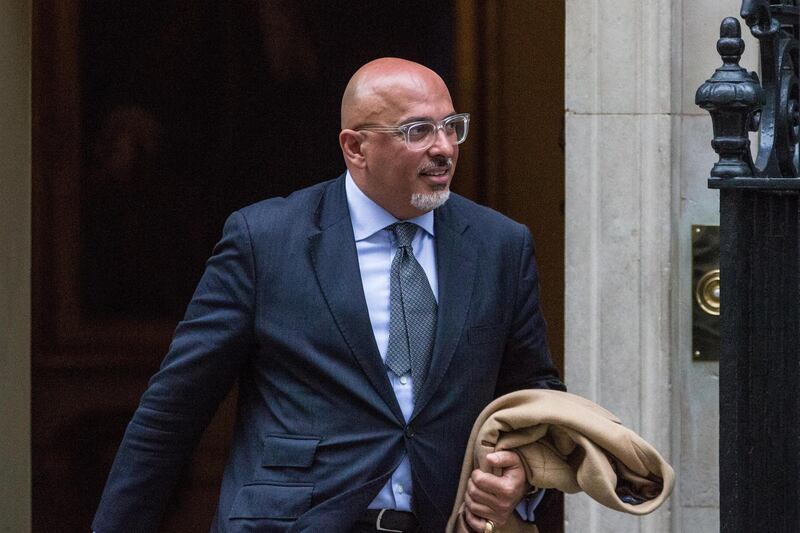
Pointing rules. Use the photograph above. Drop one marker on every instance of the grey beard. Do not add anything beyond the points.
(429, 201)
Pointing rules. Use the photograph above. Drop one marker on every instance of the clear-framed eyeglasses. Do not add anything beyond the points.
(421, 134)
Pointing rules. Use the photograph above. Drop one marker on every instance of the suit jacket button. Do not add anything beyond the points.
(409, 432)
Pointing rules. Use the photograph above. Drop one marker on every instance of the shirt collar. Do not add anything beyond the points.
(369, 218)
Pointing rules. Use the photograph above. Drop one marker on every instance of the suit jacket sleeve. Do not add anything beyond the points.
(203, 361)
(526, 362)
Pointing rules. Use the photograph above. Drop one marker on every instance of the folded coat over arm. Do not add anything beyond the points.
(568, 443)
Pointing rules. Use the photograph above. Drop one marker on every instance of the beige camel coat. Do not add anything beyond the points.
(568, 443)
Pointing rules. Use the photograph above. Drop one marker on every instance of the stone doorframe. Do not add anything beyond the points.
(637, 158)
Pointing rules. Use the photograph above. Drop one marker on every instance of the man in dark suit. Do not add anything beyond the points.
(364, 348)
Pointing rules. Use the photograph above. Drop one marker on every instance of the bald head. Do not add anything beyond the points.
(385, 94)
(382, 87)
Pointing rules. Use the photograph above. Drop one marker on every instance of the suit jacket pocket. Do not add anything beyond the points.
(289, 450)
(485, 334)
(262, 499)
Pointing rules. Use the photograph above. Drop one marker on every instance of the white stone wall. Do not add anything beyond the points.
(638, 156)
(15, 263)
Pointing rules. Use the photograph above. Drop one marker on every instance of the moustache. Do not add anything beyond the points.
(437, 163)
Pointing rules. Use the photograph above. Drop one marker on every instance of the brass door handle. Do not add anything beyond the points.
(706, 293)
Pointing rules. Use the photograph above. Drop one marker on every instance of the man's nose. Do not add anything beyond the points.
(442, 145)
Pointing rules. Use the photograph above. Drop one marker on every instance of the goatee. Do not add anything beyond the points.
(429, 201)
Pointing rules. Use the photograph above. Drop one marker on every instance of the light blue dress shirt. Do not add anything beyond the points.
(376, 248)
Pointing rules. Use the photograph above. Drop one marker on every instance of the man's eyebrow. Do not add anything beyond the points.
(425, 119)
(417, 119)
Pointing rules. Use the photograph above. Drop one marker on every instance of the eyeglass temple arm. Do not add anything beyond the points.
(387, 129)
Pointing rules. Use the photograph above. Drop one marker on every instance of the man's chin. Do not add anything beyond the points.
(428, 201)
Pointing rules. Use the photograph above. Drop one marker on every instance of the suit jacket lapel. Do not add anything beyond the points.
(335, 260)
(455, 265)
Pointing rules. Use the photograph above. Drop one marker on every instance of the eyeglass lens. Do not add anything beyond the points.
(422, 134)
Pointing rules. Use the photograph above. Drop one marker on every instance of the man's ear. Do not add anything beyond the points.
(350, 141)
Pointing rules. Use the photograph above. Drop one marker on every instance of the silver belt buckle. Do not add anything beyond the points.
(379, 527)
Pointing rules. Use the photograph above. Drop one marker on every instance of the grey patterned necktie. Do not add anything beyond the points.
(412, 318)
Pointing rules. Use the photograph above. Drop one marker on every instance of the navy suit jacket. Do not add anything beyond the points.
(318, 432)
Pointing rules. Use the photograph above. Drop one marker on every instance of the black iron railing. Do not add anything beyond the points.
(759, 269)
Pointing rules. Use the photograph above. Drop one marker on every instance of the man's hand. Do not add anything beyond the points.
(491, 497)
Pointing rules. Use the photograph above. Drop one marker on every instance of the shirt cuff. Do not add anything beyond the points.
(526, 507)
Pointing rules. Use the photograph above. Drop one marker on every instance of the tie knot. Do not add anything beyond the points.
(404, 232)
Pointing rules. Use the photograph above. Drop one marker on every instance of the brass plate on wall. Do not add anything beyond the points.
(705, 293)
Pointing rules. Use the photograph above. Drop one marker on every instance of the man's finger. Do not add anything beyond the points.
(481, 496)
(503, 459)
(501, 487)
(474, 522)
(479, 509)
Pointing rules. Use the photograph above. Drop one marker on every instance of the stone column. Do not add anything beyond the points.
(638, 156)
(15, 264)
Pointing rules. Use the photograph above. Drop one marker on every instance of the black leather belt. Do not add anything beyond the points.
(387, 521)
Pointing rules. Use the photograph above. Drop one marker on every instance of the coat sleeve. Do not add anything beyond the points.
(208, 349)
(526, 361)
